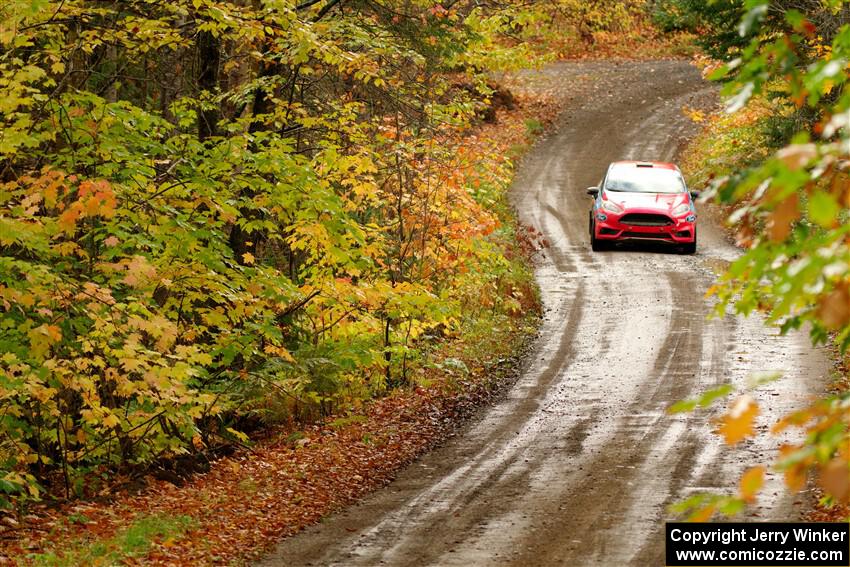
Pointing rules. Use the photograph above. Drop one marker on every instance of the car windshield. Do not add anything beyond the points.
(633, 179)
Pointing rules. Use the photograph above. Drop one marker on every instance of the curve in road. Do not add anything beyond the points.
(578, 464)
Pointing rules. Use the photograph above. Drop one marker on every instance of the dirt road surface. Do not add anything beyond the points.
(578, 464)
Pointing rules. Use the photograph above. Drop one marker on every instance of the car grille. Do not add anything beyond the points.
(646, 219)
(653, 235)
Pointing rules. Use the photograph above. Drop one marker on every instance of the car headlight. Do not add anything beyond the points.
(681, 209)
(612, 207)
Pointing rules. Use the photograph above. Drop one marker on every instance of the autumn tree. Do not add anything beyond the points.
(211, 210)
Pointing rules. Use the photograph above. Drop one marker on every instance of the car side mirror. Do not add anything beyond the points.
(695, 195)
(593, 191)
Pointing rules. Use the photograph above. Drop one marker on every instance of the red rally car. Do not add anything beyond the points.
(641, 200)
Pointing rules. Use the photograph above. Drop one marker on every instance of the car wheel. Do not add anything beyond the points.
(595, 244)
(690, 247)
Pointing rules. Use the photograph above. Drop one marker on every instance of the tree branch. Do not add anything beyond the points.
(325, 9)
(307, 4)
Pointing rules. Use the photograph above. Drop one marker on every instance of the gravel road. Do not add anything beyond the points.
(579, 462)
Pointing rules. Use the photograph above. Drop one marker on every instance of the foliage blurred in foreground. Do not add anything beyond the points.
(780, 160)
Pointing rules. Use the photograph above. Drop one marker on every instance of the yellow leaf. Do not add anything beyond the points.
(110, 420)
(751, 483)
(694, 114)
(279, 351)
(42, 337)
(737, 423)
(248, 258)
(130, 363)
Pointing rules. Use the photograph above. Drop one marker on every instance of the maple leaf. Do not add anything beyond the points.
(130, 363)
(110, 420)
(737, 423)
(279, 351)
(111, 241)
(68, 219)
(138, 271)
(42, 337)
(248, 258)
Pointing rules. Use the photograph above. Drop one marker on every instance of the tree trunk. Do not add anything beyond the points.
(209, 58)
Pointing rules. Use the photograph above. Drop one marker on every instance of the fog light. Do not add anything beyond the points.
(691, 218)
(601, 217)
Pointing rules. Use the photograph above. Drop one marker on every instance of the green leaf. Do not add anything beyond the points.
(823, 209)
(702, 401)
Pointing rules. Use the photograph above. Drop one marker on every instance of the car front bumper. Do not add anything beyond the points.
(609, 227)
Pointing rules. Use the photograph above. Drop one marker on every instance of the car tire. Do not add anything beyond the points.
(690, 247)
(595, 244)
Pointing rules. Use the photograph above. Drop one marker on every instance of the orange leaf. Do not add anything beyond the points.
(703, 514)
(54, 332)
(68, 219)
(798, 418)
(834, 308)
(797, 156)
(751, 483)
(834, 477)
(779, 224)
(795, 477)
(737, 423)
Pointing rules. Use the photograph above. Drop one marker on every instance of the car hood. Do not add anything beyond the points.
(662, 202)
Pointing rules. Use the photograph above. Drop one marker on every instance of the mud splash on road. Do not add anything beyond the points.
(577, 465)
